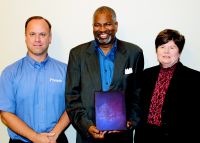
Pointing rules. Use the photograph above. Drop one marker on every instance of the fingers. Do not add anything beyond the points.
(99, 135)
(93, 129)
(114, 131)
(129, 125)
(96, 133)
(51, 134)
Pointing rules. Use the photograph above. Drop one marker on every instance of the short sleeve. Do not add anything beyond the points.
(7, 101)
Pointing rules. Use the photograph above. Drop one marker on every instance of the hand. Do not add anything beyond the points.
(43, 138)
(96, 133)
(114, 131)
(52, 137)
(129, 125)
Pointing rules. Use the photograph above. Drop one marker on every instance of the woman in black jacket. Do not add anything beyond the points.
(169, 108)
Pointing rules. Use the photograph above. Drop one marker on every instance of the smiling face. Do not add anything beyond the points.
(37, 38)
(104, 28)
(168, 54)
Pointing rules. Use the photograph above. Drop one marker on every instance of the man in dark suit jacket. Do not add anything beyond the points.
(104, 64)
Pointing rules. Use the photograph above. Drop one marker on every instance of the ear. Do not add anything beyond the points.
(50, 38)
(116, 26)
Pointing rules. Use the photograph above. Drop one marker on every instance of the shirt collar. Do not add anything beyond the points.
(112, 51)
(35, 63)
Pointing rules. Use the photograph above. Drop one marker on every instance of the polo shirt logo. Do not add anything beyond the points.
(55, 80)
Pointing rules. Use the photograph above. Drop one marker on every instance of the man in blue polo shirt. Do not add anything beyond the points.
(32, 90)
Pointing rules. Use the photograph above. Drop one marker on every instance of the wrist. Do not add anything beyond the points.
(34, 137)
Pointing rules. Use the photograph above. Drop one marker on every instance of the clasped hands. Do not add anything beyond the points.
(45, 138)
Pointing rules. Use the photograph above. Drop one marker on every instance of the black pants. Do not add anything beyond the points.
(61, 139)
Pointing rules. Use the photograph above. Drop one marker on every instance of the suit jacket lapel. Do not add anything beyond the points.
(93, 66)
(120, 63)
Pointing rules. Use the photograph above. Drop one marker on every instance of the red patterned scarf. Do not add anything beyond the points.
(158, 96)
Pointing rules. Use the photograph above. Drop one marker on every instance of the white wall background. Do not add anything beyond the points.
(139, 23)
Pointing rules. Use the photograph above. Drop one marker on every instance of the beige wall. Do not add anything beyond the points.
(139, 22)
(3, 134)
